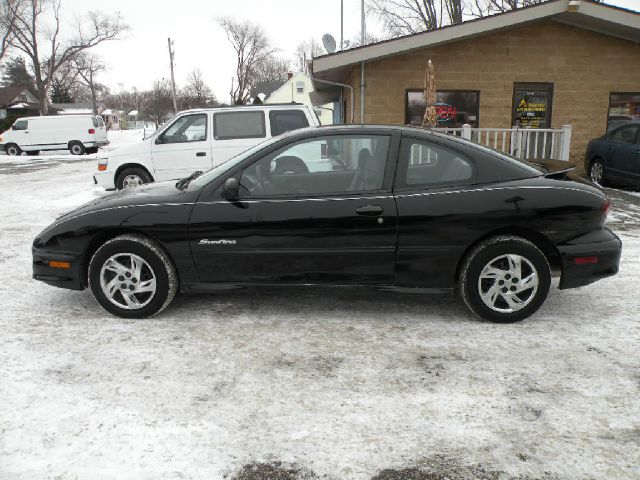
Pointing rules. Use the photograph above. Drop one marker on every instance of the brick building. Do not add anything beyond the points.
(565, 62)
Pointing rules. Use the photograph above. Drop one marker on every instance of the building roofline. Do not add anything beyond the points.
(607, 19)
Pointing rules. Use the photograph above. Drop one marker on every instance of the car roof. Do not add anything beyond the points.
(259, 106)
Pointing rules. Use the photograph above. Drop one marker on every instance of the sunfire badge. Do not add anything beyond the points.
(206, 241)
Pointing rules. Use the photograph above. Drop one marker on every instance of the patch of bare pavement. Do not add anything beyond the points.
(438, 467)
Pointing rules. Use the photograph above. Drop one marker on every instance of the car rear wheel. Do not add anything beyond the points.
(12, 149)
(596, 172)
(131, 178)
(505, 279)
(132, 277)
(76, 148)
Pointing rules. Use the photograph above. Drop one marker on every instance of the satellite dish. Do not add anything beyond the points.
(329, 43)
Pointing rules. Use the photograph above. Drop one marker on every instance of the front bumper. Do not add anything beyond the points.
(72, 278)
(590, 257)
(104, 179)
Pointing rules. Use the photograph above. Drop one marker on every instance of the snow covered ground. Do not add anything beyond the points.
(339, 385)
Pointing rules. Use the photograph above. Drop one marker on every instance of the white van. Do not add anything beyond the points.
(78, 133)
(198, 140)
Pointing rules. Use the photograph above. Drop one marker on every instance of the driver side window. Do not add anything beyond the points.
(190, 128)
(335, 165)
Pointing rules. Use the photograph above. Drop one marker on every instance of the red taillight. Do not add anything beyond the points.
(605, 207)
(323, 150)
(92, 131)
(585, 260)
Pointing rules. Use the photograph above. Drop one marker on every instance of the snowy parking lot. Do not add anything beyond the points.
(311, 384)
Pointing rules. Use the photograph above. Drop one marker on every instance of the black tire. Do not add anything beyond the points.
(596, 169)
(159, 267)
(77, 148)
(33, 152)
(124, 179)
(12, 149)
(490, 253)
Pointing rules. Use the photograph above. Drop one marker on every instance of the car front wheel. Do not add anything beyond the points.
(131, 178)
(132, 277)
(505, 279)
(596, 172)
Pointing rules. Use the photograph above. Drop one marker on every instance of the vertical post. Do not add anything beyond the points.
(173, 81)
(566, 142)
(363, 36)
(466, 131)
(341, 24)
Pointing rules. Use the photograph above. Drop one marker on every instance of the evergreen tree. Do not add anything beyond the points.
(15, 74)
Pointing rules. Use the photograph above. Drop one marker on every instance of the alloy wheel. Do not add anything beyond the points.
(128, 281)
(508, 283)
(596, 173)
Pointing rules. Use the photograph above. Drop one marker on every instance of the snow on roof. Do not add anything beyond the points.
(74, 111)
(20, 105)
(133, 113)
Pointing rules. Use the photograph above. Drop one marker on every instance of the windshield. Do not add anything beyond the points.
(218, 170)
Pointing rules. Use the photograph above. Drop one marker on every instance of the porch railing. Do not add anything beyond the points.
(524, 143)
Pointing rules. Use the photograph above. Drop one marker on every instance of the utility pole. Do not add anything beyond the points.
(363, 38)
(173, 80)
(341, 24)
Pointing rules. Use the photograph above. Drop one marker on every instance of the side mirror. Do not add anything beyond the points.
(231, 188)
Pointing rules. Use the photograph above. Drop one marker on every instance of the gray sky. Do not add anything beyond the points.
(142, 56)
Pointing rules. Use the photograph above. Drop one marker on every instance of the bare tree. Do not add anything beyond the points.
(38, 34)
(196, 93)
(87, 66)
(270, 69)
(305, 52)
(403, 17)
(252, 46)
(157, 104)
(9, 10)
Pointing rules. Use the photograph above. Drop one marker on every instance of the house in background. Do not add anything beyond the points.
(112, 118)
(298, 88)
(17, 102)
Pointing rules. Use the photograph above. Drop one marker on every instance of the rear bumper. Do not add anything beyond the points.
(590, 257)
(97, 143)
(72, 278)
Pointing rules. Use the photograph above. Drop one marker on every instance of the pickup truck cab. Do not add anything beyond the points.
(198, 139)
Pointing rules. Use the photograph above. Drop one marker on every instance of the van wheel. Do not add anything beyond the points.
(12, 149)
(76, 148)
(33, 152)
(131, 276)
(131, 178)
(505, 279)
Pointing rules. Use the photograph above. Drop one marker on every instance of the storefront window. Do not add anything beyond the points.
(623, 108)
(532, 105)
(454, 108)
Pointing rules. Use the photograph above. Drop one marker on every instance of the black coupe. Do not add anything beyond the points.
(387, 207)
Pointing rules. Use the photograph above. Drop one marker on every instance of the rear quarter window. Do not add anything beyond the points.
(232, 125)
(282, 121)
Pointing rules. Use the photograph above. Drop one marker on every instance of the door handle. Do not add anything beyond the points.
(201, 154)
(370, 210)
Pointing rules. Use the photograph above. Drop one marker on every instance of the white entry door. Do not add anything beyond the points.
(183, 148)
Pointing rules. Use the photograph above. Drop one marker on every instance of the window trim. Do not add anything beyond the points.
(206, 130)
(447, 90)
(237, 137)
(274, 111)
(550, 86)
(609, 107)
(387, 183)
(400, 185)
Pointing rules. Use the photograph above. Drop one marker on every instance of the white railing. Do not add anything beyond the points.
(525, 143)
